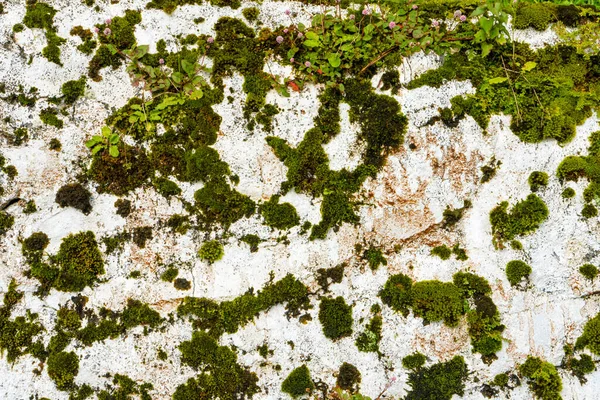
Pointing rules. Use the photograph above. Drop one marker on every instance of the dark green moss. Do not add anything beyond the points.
(18, 28)
(414, 361)
(589, 271)
(76, 196)
(369, 339)
(211, 251)
(72, 90)
(79, 262)
(534, 15)
(252, 240)
(182, 284)
(281, 216)
(49, 117)
(542, 378)
(327, 276)
(537, 180)
(120, 175)
(459, 252)
(116, 242)
(250, 13)
(137, 313)
(516, 270)
(436, 301)
(335, 317)
(20, 136)
(524, 217)
(218, 203)
(471, 285)
(123, 207)
(220, 374)
(86, 36)
(440, 381)
(6, 222)
(63, 367)
(444, 252)
(298, 383)
(590, 338)
(374, 257)
(169, 274)
(125, 387)
(348, 378)
(166, 187)
(589, 211)
(452, 216)
(397, 293)
(30, 207)
(55, 144)
(141, 235)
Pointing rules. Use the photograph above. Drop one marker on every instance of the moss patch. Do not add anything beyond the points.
(335, 317)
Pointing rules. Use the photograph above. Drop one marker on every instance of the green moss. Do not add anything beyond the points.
(397, 293)
(123, 207)
(89, 44)
(72, 90)
(589, 271)
(220, 374)
(63, 367)
(20, 136)
(218, 203)
(440, 381)
(589, 211)
(414, 361)
(327, 276)
(228, 316)
(534, 15)
(471, 285)
(169, 274)
(568, 193)
(211, 251)
(49, 117)
(166, 187)
(452, 216)
(18, 28)
(500, 380)
(250, 13)
(54, 144)
(335, 317)
(137, 313)
(348, 378)
(6, 222)
(102, 58)
(374, 257)
(116, 242)
(516, 270)
(252, 240)
(298, 382)
(542, 378)
(182, 284)
(537, 180)
(437, 301)
(30, 207)
(76, 196)
(524, 217)
(590, 338)
(125, 387)
(141, 235)
(281, 216)
(368, 340)
(444, 252)
(120, 175)
(79, 262)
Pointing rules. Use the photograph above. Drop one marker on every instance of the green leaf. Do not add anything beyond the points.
(478, 11)
(114, 151)
(498, 79)
(346, 47)
(334, 60)
(486, 48)
(142, 50)
(311, 43)
(133, 119)
(187, 66)
(106, 131)
(529, 65)
(91, 143)
(291, 52)
(312, 36)
(283, 91)
(177, 77)
(369, 28)
(196, 94)
(417, 33)
(486, 24)
(112, 48)
(97, 149)
(114, 138)
(301, 27)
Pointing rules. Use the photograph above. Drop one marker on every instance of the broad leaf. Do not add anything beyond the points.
(499, 79)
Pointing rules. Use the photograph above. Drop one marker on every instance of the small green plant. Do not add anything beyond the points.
(516, 270)
(414, 361)
(589, 271)
(492, 25)
(335, 317)
(298, 382)
(106, 141)
(211, 251)
(542, 378)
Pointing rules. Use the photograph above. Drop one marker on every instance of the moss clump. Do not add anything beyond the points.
(38, 241)
(123, 207)
(568, 193)
(20, 136)
(397, 293)
(374, 257)
(298, 383)
(348, 378)
(452, 216)
(89, 44)
(516, 270)
(54, 144)
(589, 211)
(524, 217)
(537, 180)
(500, 380)
(440, 381)
(218, 203)
(437, 301)
(281, 216)
(79, 262)
(120, 175)
(335, 317)
(534, 15)
(542, 378)
(369, 339)
(41, 16)
(182, 284)
(72, 90)
(589, 271)
(141, 235)
(16, 338)
(169, 274)
(166, 187)
(137, 313)
(228, 316)
(220, 374)
(414, 361)
(590, 338)
(49, 117)
(211, 251)
(444, 252)
(76, 196)
(125, 387)
(327, 276)
(63, 367)
(6, 222)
